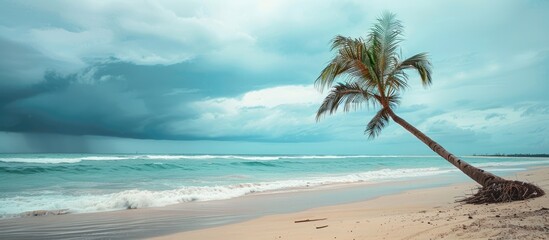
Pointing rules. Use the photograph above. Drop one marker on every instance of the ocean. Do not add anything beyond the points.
(83, 183)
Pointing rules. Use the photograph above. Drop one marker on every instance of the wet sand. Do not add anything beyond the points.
(417, 214)
(150, 222)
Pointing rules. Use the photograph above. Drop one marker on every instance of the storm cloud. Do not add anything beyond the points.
(242, 72)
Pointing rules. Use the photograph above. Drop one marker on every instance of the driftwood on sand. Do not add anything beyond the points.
(310, 220)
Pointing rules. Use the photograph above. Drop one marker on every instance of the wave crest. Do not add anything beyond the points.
(135, 198)
(53, 160)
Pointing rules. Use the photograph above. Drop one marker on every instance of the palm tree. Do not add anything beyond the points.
(375, 75)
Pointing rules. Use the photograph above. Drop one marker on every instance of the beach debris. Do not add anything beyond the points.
(310, 220)
(324, 226)
(504, 191)
(37, 213)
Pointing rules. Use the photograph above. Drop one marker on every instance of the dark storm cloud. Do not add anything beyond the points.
(125, 100)
(89, 103)
(209, 71)
(21, 65)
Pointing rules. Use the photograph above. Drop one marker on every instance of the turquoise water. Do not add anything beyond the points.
(94, 183)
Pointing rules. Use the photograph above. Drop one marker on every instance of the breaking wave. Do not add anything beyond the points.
(135, 198)
(183, 157)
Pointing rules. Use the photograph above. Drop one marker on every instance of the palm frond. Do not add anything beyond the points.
(385, 37)
(397, 81)
(336, 67)
(378, 122)
(351, 95)
(341, 42)
(420, 63)
(349, 60)
(394, 99)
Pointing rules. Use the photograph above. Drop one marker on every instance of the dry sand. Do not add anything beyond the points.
(418, 214)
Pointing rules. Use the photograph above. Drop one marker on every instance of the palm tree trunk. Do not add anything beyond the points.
(480, 176)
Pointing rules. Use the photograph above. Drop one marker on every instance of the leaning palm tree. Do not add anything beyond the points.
(374, 74)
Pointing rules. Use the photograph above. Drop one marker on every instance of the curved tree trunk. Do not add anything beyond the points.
(480, 176)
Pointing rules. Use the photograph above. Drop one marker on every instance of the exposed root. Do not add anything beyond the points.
(506, 191)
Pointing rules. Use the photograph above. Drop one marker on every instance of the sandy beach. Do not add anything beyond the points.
(162, 119)
(417, 214)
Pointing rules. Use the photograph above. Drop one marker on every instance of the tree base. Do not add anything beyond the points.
(506, 191)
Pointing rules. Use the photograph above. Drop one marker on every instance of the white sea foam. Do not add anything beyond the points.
(64, 159)
(147, 198)
(198, 157)
(42, 160)
(71, 159)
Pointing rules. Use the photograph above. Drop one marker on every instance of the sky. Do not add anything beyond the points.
(236, 77)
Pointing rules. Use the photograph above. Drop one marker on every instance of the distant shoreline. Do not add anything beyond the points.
(512, 155)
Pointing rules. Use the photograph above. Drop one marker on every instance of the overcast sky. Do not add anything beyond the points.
(237, 76)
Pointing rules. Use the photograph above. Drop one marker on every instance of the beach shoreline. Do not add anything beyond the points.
(158, 221)
(193, 220)
(430, 213)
